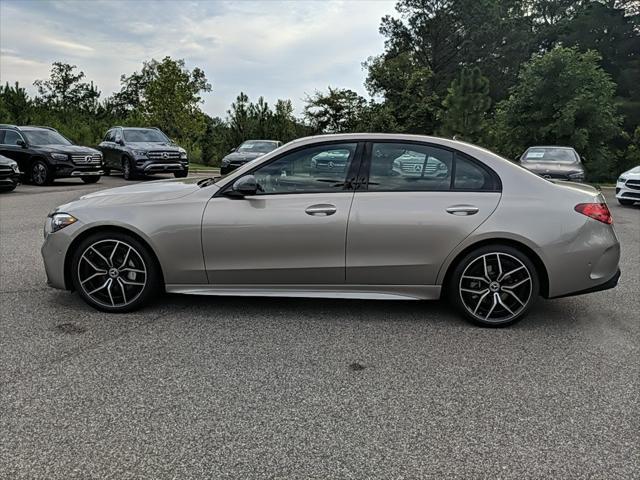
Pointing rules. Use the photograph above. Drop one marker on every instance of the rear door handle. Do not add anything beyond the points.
(463, 210)
(321, 210)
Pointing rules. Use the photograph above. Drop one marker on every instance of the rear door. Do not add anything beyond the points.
(419, 201)
(293, 231)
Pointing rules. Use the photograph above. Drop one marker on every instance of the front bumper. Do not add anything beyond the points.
(147, 166)
(9, 180)
(69, 169)
(54, 252)
(628, 190)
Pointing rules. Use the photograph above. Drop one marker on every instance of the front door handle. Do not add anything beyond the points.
(321, 210)
(463, 210)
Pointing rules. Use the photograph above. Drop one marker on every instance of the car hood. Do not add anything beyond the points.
(66, 149)
(242, 156)
(552, 167)
(633, 173)
(153, 146)
(144, 192)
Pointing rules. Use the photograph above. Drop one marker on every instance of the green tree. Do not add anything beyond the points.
(65, 89)
(336, 111)
(239, 120)
(15, 104)
(284, 122)
(562, 97)
(466, 106)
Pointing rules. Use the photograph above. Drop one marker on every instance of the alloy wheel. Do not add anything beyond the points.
(126, 169)
(112, 273)
(495, 287)
(39, 173)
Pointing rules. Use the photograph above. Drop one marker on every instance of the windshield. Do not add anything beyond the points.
(560, 155)
(45, 137)
(257, 146)
(138, 135)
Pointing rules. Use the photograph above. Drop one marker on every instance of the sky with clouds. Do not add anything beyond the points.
(273, 48)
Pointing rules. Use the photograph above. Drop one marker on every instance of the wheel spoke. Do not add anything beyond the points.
(480, 279)
(134, 270)
(109, 291)
(486, 270)
(511, 272)
(100, 287)
(478, 292)
(113, 252)
(504, 305)
(124, 294)
(84, 257)
(514, 296)
(127, 282)
(499, 267)
(126, 257)
(97, 274)
(480, 302)
(101, 256)
(516, 285)
(493, 306)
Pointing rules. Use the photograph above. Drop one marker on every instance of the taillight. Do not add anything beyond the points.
(597, 211)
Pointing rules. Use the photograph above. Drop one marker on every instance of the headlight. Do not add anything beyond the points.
(576, 175)
(61, 220)
(622, 179)
(225, 161)
(60, 156)
(140, 153)
(15, 168)
(183, 155)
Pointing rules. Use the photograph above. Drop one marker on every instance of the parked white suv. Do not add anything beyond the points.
(628, 187)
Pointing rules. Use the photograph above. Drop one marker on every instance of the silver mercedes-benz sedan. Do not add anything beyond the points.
(486, 233)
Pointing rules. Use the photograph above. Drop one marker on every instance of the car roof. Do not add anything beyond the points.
(551, 146)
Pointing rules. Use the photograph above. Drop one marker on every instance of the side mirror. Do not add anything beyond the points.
(21, 143)
(245, 186)
(119, 141)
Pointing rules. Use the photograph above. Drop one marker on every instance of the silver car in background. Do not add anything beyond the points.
(489, 235)
(560, 163)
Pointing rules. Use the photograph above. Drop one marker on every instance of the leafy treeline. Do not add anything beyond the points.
(504, 74)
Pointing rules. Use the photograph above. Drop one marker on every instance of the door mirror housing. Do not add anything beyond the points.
(21, 143)
(119, 141)
(245, 186)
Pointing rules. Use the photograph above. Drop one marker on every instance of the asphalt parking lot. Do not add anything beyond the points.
(291, 388)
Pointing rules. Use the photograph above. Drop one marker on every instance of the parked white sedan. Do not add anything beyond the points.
(628, 187)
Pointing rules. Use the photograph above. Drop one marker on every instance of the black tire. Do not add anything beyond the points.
(8, 189)
(91, 179)
(181, 174)
(626, 203)
(107, 171)
(128, 169)
(139, 253)
(41, 173)
(511, 289)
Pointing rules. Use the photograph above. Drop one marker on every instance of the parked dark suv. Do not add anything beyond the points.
(43, 154)
(247, 151)
(141, 151)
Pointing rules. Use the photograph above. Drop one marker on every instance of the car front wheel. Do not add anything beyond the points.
(114, 272)
(91, 179)
(181, 174)
(127, 169)
(494, 286)
(41, 173)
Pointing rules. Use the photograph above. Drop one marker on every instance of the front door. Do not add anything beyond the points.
(293, 231)
(420, 202)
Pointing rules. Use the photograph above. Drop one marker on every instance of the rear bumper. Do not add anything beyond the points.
(611, 283)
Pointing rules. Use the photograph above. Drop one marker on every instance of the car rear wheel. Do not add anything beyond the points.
(41, 173)
(494, 286)
(181, 174)
(91, 179)
(128, 171)
(114, 272)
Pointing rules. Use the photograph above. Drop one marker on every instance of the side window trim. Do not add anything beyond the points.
(350, 175)
(365, 169)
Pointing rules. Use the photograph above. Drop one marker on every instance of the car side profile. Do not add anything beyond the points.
(560, 163)
(43, 154)
(138, 152)
(490, 235)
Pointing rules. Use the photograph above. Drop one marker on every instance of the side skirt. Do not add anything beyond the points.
(365, 292)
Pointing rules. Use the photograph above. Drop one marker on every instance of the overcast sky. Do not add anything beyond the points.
(278, 49)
